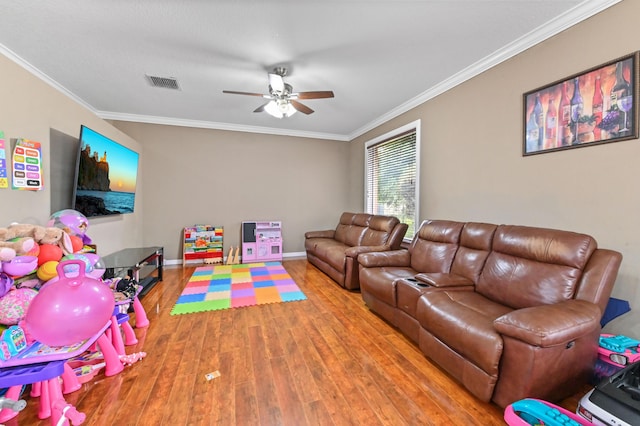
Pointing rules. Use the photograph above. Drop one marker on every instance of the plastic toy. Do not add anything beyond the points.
(47, 270)
(49, 252)
(12, 404)
(6, 284)
(72, 221)
(71, 309)
(618, 349)
(20, 266)
(94, 266)
(52, 403)
(76, 243)
(132, 358)
(12, 342)
(530, 411)
(85, 373)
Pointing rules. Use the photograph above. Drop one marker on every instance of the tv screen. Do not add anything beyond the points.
(106, 174)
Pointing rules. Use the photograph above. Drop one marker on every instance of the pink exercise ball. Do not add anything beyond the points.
(71, 309)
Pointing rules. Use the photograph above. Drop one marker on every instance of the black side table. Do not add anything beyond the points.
(133, 260)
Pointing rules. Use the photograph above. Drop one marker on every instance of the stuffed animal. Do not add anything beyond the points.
(16, 230)
(39, 234)
(57, 236)
(10, 249)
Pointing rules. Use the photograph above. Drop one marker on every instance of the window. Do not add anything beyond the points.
(391, 175)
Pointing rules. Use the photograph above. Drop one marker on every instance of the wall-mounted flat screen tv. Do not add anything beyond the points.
(106, 175)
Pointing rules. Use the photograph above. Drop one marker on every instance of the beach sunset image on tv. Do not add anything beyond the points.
(106, 176)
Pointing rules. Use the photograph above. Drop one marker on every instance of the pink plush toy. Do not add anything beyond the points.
(15, 304)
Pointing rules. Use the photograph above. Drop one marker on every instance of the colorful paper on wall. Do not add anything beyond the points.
(4, 176)
(27, 165)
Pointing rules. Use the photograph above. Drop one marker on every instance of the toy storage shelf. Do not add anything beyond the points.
(202, 244)
(261, 241)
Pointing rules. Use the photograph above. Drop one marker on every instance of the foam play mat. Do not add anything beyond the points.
(216, 287)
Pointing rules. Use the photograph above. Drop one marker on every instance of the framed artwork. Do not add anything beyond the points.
(596, 106)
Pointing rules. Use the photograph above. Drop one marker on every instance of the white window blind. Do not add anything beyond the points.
(391, 177)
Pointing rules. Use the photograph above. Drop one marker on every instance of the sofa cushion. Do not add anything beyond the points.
(534, 266)
(379, 230)
(464, 321)
(434, 246)
(332, 252)
(475, 244)
(351, 228)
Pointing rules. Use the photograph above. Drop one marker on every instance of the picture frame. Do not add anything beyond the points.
(603, 109)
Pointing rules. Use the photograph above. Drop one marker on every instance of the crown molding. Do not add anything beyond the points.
(217, 126)
(572, 17)
(42, 76)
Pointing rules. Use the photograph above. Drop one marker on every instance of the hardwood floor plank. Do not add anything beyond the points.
(318, 414)
(301, 376)
(207, 361)
(268, 407)
(187, 373)
(326, 360)
(288, 398)
(220, 396)
(246, 404)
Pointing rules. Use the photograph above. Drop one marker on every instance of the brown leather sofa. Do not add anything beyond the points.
(509, 311)
(335, 251)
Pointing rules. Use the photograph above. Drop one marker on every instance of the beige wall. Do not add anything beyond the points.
(30, 108)
(472, 168)
(201, 176)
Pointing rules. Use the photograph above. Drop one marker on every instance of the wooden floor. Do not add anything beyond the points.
(326, 360)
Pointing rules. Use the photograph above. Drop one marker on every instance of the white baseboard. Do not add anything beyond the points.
(292, 255)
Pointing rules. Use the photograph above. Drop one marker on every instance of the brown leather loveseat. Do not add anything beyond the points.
(335, 251)
(509, 311)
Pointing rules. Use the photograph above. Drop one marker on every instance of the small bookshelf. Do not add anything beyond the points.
(202, 244)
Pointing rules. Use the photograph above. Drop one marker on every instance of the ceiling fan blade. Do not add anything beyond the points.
(314, 95)
(301, 107)
(233, 92)
(276, 82)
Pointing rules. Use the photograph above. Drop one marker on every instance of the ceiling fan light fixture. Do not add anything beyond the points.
(280, 108)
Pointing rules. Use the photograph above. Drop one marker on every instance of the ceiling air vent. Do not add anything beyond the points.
(165, 82)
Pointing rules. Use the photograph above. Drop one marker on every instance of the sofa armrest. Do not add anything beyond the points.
(439, 280)
(355, 251)
(385, 258)
(550, 325)
(329, 233)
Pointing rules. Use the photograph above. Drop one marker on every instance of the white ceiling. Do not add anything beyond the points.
(380, 57)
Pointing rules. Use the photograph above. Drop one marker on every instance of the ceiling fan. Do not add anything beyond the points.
(283, 101)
